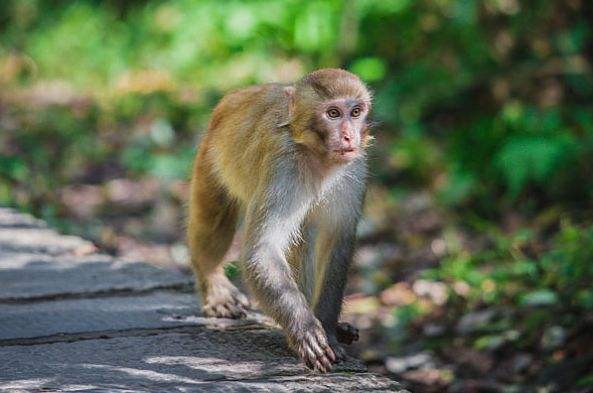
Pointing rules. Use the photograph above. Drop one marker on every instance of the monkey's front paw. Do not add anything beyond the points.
(346, 333)
(226, 302)
(312, 346)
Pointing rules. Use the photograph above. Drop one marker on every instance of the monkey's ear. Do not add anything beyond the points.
(288, 116)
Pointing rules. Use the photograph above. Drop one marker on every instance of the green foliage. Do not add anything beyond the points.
(550, 288)
(370, 69)
(490, 112)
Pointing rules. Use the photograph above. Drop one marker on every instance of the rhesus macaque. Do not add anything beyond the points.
(291, 160)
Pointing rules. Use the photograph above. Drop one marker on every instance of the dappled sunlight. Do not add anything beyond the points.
(33, 383)
(221, 365)
(145, 374)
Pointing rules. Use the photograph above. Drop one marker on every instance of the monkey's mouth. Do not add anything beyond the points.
(346, 153)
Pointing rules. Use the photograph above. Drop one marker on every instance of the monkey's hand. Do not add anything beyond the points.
(346, 333)
(310, 342)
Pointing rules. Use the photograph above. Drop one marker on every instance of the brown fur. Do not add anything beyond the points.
(269, 153)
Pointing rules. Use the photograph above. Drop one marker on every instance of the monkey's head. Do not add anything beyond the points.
(328, 111)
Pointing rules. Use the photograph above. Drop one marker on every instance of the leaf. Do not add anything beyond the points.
(543, 297)
(370, 69)
(531, 159)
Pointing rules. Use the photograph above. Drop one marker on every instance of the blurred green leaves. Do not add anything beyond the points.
(315, 27)
(487, 103)
(542, 297)
(522, 160)
(550, 287)
(370, 69)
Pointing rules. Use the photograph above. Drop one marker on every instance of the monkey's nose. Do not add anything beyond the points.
(346, 138)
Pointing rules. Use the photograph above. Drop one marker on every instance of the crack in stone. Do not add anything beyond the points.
(98, 335)
(118, 333)
(112, 292)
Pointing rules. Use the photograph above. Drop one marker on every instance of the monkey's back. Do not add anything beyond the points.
(238, 141)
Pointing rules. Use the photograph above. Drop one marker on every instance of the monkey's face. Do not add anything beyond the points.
(341, 125)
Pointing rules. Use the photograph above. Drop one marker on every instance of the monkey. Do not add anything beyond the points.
(289, 160)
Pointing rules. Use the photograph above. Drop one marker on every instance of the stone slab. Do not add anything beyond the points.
(72, 320)
(205, 360)
(48, 318)
(41, 241)
(29, 276)
(12, 219)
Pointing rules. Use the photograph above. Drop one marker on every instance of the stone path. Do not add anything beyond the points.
(74, 320)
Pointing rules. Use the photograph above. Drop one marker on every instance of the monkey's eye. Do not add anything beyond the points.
(356, 112)
(333, 113)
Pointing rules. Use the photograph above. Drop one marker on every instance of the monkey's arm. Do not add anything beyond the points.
(273, 218)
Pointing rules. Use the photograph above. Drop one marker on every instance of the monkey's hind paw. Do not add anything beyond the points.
(230, 303)
(313, 347)
(339, 351)
(346, 333)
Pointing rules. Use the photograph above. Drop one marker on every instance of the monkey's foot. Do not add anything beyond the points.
(225, 301)
(312, 346)
(346, 333)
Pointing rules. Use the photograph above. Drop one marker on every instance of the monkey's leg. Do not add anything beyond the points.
(337, 220)
(332, 272)
(211, 226)
(302, 261)
(270, 225)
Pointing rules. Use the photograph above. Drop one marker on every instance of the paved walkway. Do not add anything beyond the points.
(74, 320)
